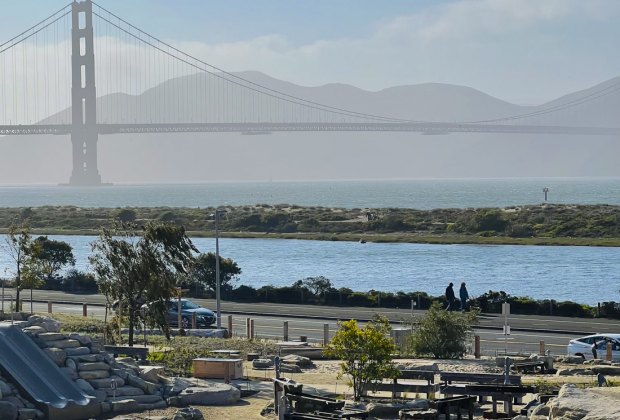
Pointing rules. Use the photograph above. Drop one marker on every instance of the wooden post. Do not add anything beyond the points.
(247, 328)
(285, 331)
(194, 320)
(541, 350)
(179, 318)
(325, 334)
(252, 329)
(84, 309)
(230, 326)
(49, 306)
(608, 355)
(477, 346)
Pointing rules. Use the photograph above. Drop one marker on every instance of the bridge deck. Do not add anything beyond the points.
(267, 128)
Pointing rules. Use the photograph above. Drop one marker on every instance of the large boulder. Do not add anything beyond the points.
(607, 370)
(573, 372)
(574, 360)
(188, 413)
(90, 366)
(84, 340)
(146, 386)
(5, 389)
(29, 414)
(77, 351)
(87, 358)
(63, 344)
(49, 324)
(58, 356)
(84, 385)
(207, 394)
(151, 373)
(286, 368)
(8, 410)
(175, 385)
(51, 336)
(89, 375)
(591, 403)
(34, 330)
(107, 382)
(295, 359)
(262, 363)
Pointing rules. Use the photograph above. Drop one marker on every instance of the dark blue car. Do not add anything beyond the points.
(204, 317)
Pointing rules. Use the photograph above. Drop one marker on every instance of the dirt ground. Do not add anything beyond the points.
(324, 377)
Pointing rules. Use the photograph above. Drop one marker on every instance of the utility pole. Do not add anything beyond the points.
(218, 300)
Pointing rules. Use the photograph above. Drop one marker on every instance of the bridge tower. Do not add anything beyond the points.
(84, 132)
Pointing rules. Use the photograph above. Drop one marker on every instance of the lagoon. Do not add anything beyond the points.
(582, 274)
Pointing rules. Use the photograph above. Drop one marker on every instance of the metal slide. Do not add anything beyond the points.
(38, 377)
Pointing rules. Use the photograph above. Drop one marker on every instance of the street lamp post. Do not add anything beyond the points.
(218, 305)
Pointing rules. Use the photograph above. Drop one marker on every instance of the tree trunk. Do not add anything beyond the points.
(132, 316)
(17, 287)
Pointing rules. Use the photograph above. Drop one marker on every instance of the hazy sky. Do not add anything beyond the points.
(523, 51)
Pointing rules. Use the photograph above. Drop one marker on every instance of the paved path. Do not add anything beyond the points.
(527, 323)
(309, 320)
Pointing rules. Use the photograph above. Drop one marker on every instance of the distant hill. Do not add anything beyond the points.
(200, 157)
(424, 102)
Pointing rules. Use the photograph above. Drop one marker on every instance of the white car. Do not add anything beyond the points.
(582, 347)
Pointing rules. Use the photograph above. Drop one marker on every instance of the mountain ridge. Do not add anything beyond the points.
(199, 157)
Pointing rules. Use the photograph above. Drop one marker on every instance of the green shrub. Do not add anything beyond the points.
(442, 334)
(365, 353)
(126, 215)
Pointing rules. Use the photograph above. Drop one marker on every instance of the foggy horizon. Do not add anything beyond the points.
(451, 61)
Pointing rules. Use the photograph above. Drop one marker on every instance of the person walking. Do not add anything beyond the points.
(464, 296)
(450, 297)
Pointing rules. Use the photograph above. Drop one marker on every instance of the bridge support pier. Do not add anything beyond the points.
(84, 144)
(84, 132)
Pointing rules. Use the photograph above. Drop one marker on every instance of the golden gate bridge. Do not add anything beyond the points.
(52, 84)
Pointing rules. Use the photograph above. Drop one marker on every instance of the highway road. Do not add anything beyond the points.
(309, 320)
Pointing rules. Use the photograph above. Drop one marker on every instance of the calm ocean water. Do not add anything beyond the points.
(420, 194)
(582, 274)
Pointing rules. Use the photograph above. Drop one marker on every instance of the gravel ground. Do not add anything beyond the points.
(324, 377)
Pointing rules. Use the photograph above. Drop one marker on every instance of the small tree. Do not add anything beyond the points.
(319, 286)
(20, 250)
(126, 215)
(365, 353)
(133, 269)
(52, 256)
(442, 334)
(203, 272)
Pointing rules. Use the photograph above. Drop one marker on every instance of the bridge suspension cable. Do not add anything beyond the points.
(614, 87)
(203, 66)
(143, 79)
(35, 81)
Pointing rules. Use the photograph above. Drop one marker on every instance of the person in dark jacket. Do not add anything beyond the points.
(450, 297)
(464, 296)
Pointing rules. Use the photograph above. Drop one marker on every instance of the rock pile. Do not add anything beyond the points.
(13, 405)
(120, 385)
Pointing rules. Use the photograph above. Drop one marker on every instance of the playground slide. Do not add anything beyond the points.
(38, 377)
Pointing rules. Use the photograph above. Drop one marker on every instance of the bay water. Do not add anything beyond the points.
(419, 194)
(582, 274)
